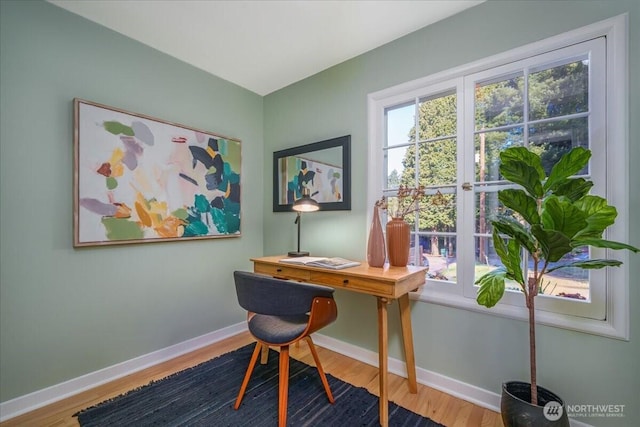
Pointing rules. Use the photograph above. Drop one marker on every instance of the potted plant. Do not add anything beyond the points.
(547, 217)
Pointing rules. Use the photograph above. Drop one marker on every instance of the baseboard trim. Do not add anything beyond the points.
(23, 404)
(29, 402)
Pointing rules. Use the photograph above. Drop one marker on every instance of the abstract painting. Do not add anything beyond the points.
(138, 179)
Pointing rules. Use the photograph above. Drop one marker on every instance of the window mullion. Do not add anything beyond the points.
(525, 105)
(466, 198)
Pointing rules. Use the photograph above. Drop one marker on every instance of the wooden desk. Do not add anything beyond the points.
(386, 284)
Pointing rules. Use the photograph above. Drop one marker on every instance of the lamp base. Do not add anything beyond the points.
(294, 254)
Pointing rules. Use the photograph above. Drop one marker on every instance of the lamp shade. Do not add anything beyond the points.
(305, 203)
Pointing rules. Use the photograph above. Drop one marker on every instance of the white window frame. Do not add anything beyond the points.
(614, 294)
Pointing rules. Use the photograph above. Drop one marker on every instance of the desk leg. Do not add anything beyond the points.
(407, 339)
(383, 360)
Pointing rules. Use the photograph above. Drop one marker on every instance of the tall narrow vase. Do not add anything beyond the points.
(376, 253)
(398, 241)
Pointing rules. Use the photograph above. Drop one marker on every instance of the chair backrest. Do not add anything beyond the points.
(262, 294)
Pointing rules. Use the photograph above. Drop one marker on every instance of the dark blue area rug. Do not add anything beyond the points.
(204, 396)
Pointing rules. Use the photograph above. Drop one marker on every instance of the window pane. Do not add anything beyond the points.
(487, 151)
(487, 260)
(419, 256)
(400, 166)
(487, 209)
(437, 162)
(555, 138)
(438, 214)
(439, 254)
(392, 207)
(559, 90)
(499, 103)
(400, 124)
(571, 282)
(437, 116)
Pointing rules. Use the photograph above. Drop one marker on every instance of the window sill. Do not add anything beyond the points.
(435, 294)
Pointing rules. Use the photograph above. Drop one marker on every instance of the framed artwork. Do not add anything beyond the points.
(322, 167)
(138, 179)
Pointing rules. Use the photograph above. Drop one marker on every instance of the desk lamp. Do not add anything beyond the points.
(303, 204)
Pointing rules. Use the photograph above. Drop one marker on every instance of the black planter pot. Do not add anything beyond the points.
(517, 411)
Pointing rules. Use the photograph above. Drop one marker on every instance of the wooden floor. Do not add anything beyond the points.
(438, 406)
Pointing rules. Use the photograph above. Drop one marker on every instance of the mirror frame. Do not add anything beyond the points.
(345, 143)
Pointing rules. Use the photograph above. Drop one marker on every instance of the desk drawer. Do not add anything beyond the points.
(282, 271)
(372, 287)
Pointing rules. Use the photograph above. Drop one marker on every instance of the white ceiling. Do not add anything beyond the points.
(264, 45)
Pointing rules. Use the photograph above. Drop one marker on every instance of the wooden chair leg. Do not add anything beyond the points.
(247, 375)
(323, 377)
(283, 392)
(265, 355)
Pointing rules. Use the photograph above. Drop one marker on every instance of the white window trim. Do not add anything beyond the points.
(615, 29)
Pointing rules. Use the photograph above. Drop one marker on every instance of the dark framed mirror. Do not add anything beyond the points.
(323, 167)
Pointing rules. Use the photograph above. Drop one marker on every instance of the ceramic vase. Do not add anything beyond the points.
(376, 253)
(398, 242)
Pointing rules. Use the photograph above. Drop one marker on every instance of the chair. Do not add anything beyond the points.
(281, 313)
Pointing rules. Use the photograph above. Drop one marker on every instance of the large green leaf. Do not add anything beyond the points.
(569, 164)
(598, 214)
(524, 155)
(510, 255)
(514, 229)
(559, 214)
(590, 264)
(491, 287)
(602, 243)
(515, 261)
(524, 174)
(500, 246)
(574, 188)
(553, 244)
(521, 202)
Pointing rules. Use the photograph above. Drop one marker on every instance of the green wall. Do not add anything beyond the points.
(475, 348)
(66, 312)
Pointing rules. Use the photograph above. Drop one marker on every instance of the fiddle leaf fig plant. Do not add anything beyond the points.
(548, 218)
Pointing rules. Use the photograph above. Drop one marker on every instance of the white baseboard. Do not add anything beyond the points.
(29, 402)
(38, 399)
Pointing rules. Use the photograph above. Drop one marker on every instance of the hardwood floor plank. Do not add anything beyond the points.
(428, 402)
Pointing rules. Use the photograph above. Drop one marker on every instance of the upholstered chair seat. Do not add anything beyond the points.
(278, 329)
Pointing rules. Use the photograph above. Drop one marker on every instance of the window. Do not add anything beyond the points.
(445, 132)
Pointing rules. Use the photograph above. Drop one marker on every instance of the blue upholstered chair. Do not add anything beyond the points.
(281, 313)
